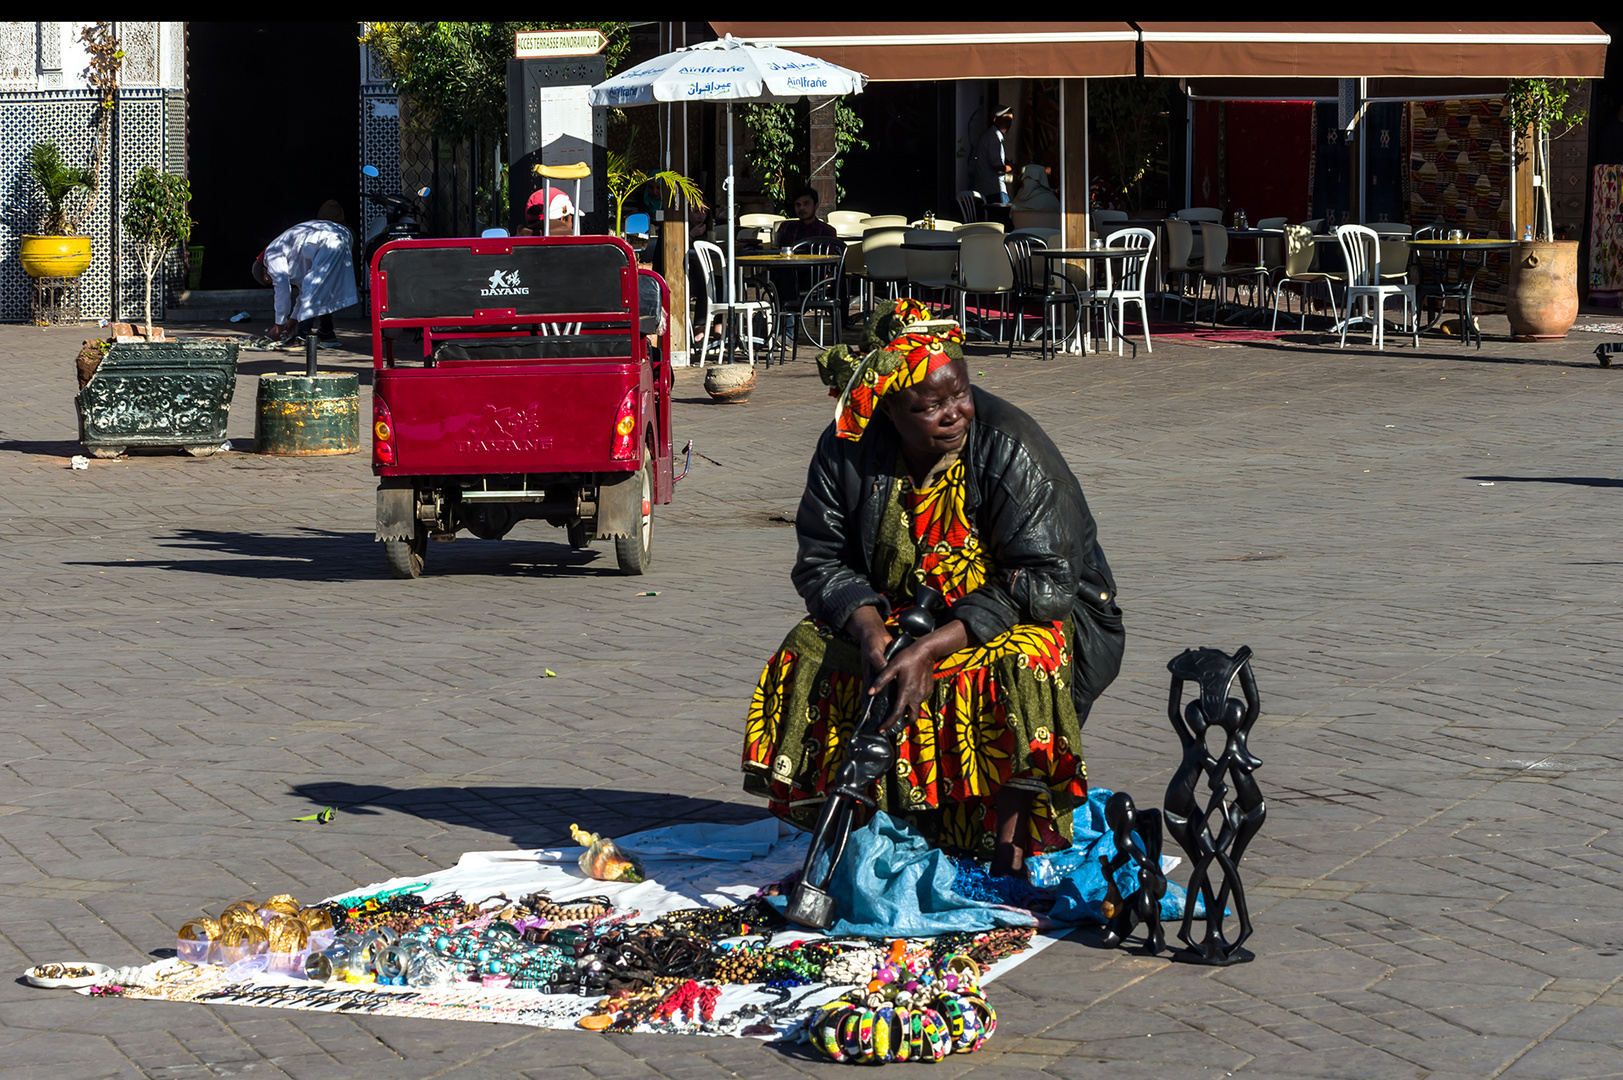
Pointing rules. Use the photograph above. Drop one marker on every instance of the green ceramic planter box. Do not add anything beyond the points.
(161, 393)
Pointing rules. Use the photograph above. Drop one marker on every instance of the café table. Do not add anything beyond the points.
(1454, 254)
(788, 261)
(1091, 255)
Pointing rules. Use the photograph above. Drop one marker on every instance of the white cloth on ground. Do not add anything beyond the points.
(315, 256)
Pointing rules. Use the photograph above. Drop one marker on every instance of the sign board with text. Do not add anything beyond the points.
(543, 44)
(551, 121)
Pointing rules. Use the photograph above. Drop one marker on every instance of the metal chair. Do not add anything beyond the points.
(1361, 249)
(1033, 281)
(1444, 278)
(821, 317)
(972, 205)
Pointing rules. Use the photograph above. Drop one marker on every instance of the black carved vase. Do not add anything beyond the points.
(159, 393)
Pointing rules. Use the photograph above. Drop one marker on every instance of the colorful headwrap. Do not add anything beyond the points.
(896, 353)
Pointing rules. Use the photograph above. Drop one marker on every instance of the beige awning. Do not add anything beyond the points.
(921, 51)
(1374, 50)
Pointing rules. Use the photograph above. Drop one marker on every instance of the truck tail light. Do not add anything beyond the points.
(382, 432)
(624, 446)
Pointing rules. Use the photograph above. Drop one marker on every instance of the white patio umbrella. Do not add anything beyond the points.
(728, 71)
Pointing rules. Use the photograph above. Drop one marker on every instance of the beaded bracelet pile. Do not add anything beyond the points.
(910, 1010)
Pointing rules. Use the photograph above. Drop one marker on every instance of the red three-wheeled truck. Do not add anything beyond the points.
(513, 378)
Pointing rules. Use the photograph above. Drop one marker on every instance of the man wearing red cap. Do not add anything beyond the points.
(554, 207)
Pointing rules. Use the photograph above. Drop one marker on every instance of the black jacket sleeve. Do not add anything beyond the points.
(1037, 532)
(830, 572)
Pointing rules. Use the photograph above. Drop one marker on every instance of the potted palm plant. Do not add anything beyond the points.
(1542, 303)
(54, 252)
(624, 180)
(155, 392)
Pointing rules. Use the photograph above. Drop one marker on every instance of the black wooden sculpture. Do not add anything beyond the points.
(1235, 808)
(868, 756)
(1143, 904)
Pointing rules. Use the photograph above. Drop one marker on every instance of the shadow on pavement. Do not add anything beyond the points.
(1580, 481)
(324, 555)
(47, 447)
(530, 816)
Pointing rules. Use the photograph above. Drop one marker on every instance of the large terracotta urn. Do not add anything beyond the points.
(55, 256)
(1542, 302)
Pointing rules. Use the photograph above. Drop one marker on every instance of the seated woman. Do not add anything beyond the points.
(922, 478)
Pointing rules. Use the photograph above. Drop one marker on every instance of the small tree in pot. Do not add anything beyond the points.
(155, 218)
(1541, 106)
(1543, 300)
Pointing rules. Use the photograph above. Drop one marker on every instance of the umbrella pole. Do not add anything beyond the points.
(732, 262)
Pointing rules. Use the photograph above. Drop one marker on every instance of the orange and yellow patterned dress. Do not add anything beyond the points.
(1000, 716)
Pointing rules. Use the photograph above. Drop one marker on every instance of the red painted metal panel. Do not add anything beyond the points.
(549, 418)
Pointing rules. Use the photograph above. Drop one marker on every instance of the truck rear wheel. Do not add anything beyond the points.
(406, 557)
(634, 552)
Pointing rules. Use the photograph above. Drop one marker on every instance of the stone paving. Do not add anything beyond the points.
(1420, 546)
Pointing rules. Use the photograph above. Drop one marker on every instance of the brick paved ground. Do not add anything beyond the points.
(1419, 545)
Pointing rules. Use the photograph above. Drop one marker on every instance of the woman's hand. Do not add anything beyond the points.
(913, 671)
(872, 636)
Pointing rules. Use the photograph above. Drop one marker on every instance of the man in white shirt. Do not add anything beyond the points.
(311, 268)
(992, 168)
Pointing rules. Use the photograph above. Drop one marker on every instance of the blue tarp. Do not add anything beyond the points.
(892, 883)
(1079, 880)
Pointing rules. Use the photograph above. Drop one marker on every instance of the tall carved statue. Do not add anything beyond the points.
(1214, 836)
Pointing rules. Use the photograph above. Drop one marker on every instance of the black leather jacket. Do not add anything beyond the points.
(1028, 510)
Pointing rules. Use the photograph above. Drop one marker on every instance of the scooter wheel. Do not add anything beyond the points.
(636, 551)
(406, 557)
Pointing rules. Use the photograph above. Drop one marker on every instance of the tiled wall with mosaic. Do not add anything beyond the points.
(43, 96)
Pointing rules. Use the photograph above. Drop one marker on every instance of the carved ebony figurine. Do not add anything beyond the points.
(1143, 904)
(1235, 808)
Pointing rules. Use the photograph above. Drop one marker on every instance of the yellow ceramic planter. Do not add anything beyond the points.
(55, 256)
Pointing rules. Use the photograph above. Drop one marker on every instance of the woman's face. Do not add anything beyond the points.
(933, 417)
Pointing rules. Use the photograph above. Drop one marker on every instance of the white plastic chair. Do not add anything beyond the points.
(1130, 289)
(974, 228)
(713, 262)
(1361, 248)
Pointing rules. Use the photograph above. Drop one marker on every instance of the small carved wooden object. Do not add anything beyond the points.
(1214, 836)
(1143, 904)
